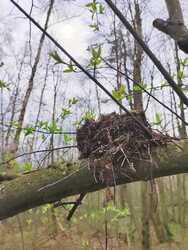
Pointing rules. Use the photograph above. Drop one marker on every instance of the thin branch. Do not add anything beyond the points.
(154, 59)
(83, 69)
(36, 152)
(147, 92)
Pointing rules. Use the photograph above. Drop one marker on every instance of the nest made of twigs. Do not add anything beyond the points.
(114, 142)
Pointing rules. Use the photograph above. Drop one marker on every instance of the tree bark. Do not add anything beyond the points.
(53, 183)
(174, 26)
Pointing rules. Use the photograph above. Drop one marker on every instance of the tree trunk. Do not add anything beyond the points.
(32, 76)
(52, 184)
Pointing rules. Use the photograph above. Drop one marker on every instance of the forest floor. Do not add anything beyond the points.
(16, 234)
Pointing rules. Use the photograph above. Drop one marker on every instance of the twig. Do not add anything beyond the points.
(77, 203)
(35, 152)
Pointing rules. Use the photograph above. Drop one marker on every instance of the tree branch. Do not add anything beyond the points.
(174, 26)
(54, 183)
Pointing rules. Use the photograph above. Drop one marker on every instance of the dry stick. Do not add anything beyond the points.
(77, 203)
(154, 59)
(83, 69)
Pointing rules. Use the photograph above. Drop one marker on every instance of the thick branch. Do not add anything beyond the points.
(174, 26)
(52, 184)
(174, 10)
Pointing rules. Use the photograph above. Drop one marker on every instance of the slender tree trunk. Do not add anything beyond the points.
(32, 76)
(138, 52)
(146, 209)
(138, 106)
(39, 109)
(181, 193)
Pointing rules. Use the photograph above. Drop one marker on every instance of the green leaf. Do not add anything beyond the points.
(65, 112)
(27, 166)
(95, 61)
(184, 62)
(157, 119)
(29, 131)
(72, 101)
(101, 8)
(56, 57)
(95, 56)
(45, 208)
(185, 88)
(89, 115)
(3, 85)
(120, 93)
(67, 138)
(140, 87)
(70, 69)
(92, 6)
(53, 128)
(180, 75)
(43, 124)
(94, 26)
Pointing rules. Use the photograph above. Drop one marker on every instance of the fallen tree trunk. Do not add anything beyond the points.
(54, 183)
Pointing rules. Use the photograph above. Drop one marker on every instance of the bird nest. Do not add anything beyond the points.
(114, 143)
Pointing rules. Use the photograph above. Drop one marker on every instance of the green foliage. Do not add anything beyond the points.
(157, 119)
(184, 62)
(180, 75)
(101, 9)
(121, 93)
(46, 208)
(3, 85)
(54, 128)
(96, 9)
(95, 56)
(72, 101)
(65, 113)
(140, 87)
(113, 213)
(70, 67)
(27, 166)
(68, 138)
(89, 115)
(185, 88)
(92, 6)
(94, 26)
(43, 124)
(29, 131)
(56, 57)
(49, 127)
(86, 245)
(117, 213)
